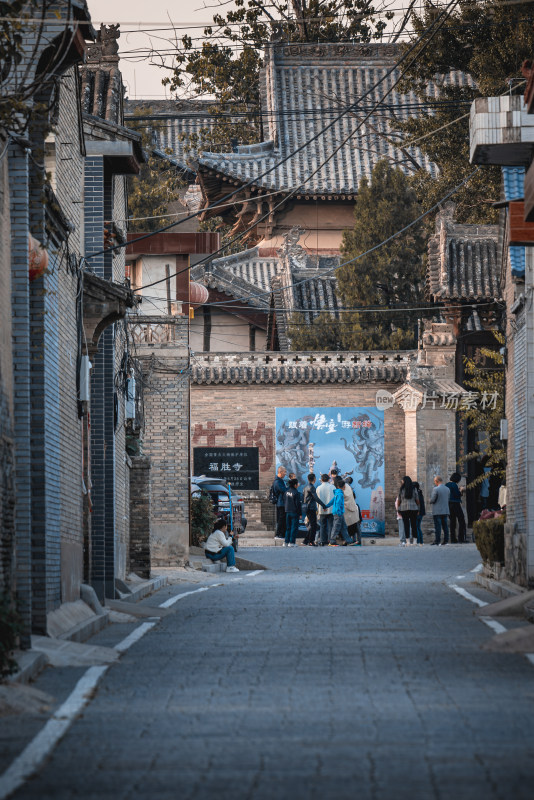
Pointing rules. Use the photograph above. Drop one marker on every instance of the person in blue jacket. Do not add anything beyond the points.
(339, 526)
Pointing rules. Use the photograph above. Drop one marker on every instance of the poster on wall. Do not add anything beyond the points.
(351, 439)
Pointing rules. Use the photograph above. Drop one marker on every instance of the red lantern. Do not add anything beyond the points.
(38, 258)
(198, 294)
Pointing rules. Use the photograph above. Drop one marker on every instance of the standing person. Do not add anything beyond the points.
(352, 513)
(409, 507)
(279, 490)
(334, 475)
(293, 513)
(421, 513)
(325, 493)
(219, 546)
(400, 522)
(310, 501)
(439, 500)
(456, 511)
(339, 526)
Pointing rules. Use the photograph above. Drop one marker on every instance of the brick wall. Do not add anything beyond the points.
(19, 209)
(166, 442)
(7, 444)
(139, 552)
(516, 479)
(70, 192)
(238, 409)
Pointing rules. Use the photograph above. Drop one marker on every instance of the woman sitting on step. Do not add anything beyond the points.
(219, 546)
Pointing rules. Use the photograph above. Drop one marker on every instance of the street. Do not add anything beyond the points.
(348, 673)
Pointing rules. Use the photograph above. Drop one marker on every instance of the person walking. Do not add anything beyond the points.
(339, 526)
(400, 522)
(420, 514)
(352, 514)
(310, 502)
(439, 500)
(409, 507)
(456, 511)
(325, 493)
(279, 491)
(293, 509)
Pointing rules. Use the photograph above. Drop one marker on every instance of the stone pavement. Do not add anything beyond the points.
(337, 673)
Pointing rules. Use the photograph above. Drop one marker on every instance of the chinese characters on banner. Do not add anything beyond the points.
(238, 466)
(351, 439)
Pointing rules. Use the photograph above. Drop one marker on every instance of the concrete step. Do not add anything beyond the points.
(213, 566)
(256, 541)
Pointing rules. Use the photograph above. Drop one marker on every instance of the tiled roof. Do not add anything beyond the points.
(303, 87)
(251, 266)
(463, 261)
(517, 261)
(513, 181)
(303, 368)
(177, 124)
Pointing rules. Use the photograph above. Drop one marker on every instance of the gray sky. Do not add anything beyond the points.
(143, 78)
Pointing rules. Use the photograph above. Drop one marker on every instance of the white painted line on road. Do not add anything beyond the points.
(494, 625)
(134, 637)
(460, 577)
(467, 595)
(478, 568)
(172, 600)
(256, 572)
(42, 745)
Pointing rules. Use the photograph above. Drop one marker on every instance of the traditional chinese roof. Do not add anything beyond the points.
(301, 368)
(249, 265)
(463, 262)
(178, 125)
(305, 86)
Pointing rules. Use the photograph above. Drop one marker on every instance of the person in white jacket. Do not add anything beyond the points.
(219, 546)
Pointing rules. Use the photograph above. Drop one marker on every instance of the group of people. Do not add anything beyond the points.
(446, 503)
(330, 510)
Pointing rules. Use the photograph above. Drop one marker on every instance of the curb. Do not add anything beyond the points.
(30, 663)
(500, 588)
(148, 587)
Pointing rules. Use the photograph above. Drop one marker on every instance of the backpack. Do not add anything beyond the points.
(273, 499)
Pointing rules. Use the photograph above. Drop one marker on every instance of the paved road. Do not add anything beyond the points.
(349, 673)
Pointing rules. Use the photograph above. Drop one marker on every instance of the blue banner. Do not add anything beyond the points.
(351, 439)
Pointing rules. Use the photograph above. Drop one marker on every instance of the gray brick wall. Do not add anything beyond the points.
(7, 444)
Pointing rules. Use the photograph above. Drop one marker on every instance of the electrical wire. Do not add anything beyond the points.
(439, 19)
(367, 252)
(295, 190)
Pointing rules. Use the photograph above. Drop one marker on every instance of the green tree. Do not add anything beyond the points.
(488, 42)
(227, 64)
(485, 416)
(157, 184)
(391, 277)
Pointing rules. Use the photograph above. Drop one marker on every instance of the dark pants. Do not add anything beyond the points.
(326, 521)
(311, 525)
(441, 521)
(355, 532)
(457, 513)
(292, 526)
(281, 522)
(410, 523)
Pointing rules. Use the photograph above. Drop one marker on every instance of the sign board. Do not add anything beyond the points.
(351, 439)
(238, 466)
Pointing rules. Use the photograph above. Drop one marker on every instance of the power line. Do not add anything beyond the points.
(221, 304)
(301, 147)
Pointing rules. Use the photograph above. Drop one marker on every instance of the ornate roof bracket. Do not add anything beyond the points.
(104, 303)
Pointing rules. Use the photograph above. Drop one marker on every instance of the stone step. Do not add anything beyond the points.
(265, 541)
(213, 566)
